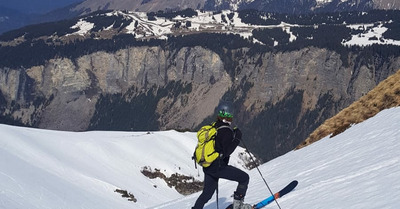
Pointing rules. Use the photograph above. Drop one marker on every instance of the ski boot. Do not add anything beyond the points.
(238, 202)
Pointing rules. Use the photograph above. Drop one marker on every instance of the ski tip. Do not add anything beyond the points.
(293, 184)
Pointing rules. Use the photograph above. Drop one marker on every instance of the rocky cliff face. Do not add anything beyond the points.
(130, 71)
(71, 88)
(279, 96)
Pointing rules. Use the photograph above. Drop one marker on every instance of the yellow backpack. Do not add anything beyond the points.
(205, 153)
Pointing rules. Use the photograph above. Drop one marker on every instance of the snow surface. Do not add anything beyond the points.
(206, 21)
(359, 168)
(372, 35)
(159, 28)
(83, 26)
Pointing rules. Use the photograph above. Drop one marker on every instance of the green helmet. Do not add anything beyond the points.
(225, 110)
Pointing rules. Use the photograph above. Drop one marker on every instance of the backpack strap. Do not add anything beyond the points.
(224, 127)
(213, 137)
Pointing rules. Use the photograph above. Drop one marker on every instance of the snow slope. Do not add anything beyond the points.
(54, 169)
(359, 168)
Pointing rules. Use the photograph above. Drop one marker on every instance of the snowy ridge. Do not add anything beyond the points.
(141, 27)
(51, 169)
(372, 34)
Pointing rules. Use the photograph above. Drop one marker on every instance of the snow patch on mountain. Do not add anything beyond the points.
(160, 27)
(372, 34)
(321, 3)
(83, 26)
(226, 21)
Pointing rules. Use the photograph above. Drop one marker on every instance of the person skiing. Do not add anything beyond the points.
(226, 141)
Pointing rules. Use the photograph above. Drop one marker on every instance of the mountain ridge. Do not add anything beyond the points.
(354, 29)
(284, 7)
(285, 78)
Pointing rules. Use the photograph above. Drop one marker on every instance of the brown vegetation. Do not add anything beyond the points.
(126, 194)
(385, 95)
(185, 185)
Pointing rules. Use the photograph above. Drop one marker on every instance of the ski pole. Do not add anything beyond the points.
(252, 159)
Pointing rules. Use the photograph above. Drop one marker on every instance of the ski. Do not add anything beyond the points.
(271, 198)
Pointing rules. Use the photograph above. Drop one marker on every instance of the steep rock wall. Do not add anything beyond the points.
(73, 86)
(279, 96)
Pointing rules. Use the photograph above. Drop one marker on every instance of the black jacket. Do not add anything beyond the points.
(226, 141)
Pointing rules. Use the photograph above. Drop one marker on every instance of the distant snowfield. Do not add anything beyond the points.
(373, 35)
(83, 26)
(142, 27)
(359, 168)
(227, 22)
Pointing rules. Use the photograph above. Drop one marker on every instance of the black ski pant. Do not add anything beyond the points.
(211, 183)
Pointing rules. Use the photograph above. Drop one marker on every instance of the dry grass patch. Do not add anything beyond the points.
(185, 185)
(385, 95)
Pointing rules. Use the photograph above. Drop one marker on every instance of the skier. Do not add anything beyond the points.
(226, 141)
